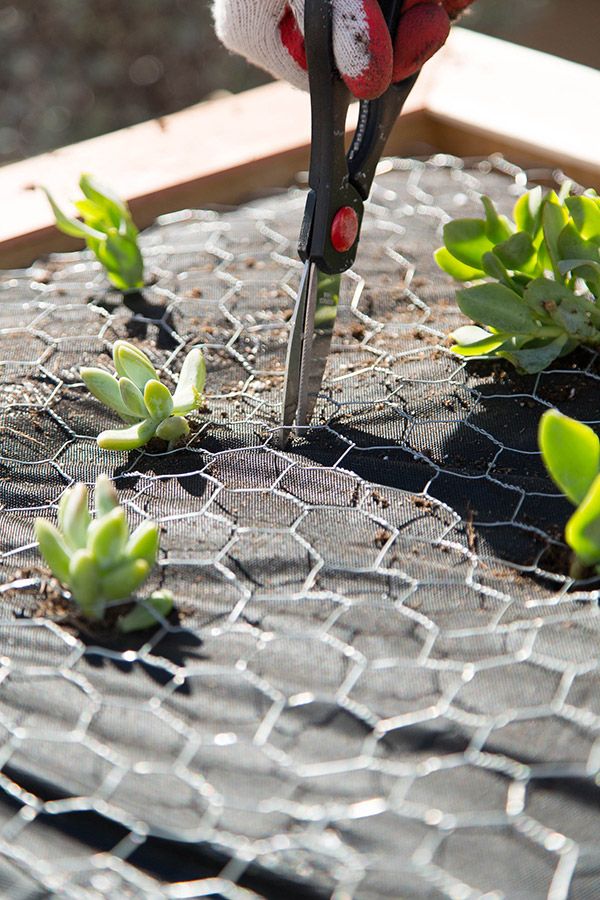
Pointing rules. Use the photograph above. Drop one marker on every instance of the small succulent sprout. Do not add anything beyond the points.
(108, 230)
(142, 401)
(147, 613)
(542, 300)
(97, 558)
(571, 454)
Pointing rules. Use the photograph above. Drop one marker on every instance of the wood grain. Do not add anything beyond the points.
(492, 96)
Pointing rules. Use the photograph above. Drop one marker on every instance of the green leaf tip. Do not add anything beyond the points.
(192, 378)
(583, 528)
(132, 363)
(53, 548)
(466, 240)
(96, 558)
(571, 454)
(158, 400)
(148, 613)
(131, 438)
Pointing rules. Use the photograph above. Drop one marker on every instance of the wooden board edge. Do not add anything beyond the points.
(528, 105)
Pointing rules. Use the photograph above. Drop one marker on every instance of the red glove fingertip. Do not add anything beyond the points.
(423, 29)
(292, 38)
(376, 76)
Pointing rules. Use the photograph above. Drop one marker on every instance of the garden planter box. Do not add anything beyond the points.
(379, 681)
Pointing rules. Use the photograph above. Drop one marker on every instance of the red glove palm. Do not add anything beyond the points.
(270, 34)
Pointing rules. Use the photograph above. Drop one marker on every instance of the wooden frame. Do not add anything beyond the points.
(479, 95)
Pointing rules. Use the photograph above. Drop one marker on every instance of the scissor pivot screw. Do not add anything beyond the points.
(344, 229)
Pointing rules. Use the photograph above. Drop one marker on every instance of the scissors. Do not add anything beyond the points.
(339, 183)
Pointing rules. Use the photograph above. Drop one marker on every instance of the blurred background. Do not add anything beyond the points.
(73, 69)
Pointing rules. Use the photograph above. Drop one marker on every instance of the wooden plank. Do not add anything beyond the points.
(217, 152)
(477, 96)
(535, 108)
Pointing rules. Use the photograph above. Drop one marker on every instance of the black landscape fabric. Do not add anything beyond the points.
(379, 682)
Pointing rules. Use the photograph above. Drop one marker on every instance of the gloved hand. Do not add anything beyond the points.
(270, 34)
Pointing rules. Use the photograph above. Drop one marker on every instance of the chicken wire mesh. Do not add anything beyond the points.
(379, 682)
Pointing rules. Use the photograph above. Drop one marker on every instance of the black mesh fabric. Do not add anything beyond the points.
(380, 682)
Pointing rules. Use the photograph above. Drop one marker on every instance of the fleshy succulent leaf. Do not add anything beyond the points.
(572, 245)
(121, 257)
(127, 438)
(583, 528)
(108, 536)
(577, 315)
(532, 359)
(143, 543)
(84, 576)
(467, 241)
(147, 614)
(173, 429)
(132, 398)
(133, 364)
(53, 549)
(455, 268)
(103, 198)
(105, 496)
(71, 226)
(496, 269)
(105, 388)
(527, 211)
(585, 212)
(517, 252)
(158, 400)
(498, 306)
(554, 219)
(473, 341)
(192, 378)
(121, 581)
(542, 295)
(571, 453)
(497, 228)
(74, 516)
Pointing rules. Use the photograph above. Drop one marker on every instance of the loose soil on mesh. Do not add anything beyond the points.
(49, 602)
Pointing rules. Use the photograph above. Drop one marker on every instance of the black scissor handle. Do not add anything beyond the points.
(330, 187)
(376, 118)
(340, 183)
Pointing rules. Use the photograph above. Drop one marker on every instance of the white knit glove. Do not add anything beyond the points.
(270, 33)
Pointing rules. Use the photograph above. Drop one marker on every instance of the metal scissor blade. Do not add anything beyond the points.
(312, 329)
(321, 312)
(310, 340)
(293, 369)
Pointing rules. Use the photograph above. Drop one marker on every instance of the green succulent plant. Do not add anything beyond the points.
(545, 268)
(98, 560)
(108, 230)
(137, 395)
(571, 454)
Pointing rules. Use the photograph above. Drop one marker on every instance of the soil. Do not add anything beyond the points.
(51, 603)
